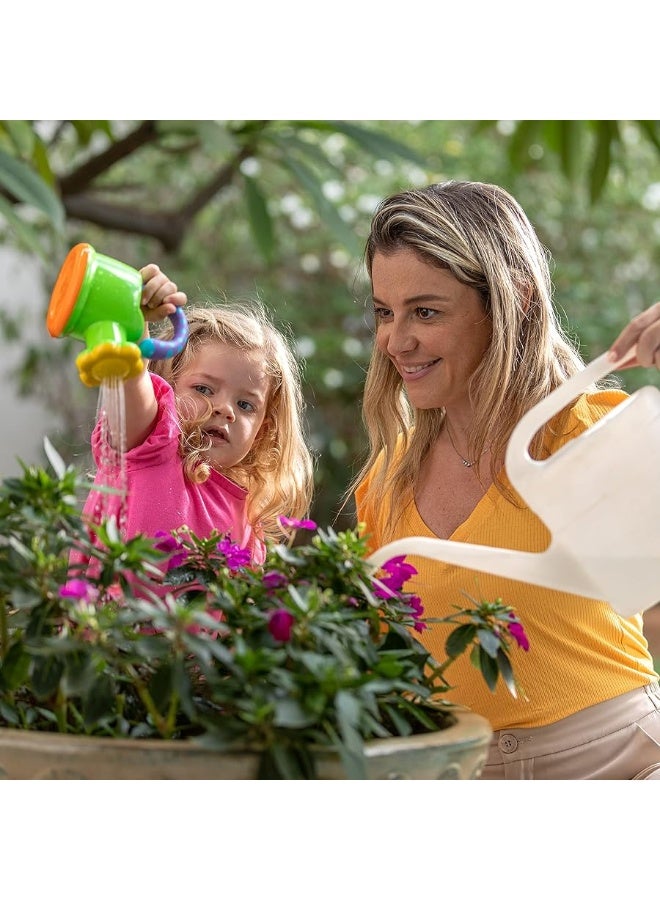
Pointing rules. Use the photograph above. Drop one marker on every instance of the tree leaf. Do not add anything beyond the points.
(25, 185)
(261, 223)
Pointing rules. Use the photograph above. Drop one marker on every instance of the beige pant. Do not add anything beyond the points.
(617, 739)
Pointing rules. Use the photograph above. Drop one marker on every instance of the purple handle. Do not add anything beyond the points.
(155, 349)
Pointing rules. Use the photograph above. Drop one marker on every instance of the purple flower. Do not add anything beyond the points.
(398, 572)
(79, 589)
(236, 556)
(280, 624)
(517, 632)
(287, 522)
(273, 580)
(169, 544)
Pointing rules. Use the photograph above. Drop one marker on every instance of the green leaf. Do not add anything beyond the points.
(489, 669)
(46, 674)
(54, 458)
(99, 701)
(606, 136)
(26, 235)
(261, 223)
(15, 667)
(26, 186)
(489, 641)
(459, 639)
(507, 672)
(380, 145)
(328, 212)
(569, 133)
(21, 134)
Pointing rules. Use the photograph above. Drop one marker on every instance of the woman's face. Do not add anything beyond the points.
(433, 328)
(236, 385)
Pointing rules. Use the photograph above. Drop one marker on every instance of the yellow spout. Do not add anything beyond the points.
(107, 361)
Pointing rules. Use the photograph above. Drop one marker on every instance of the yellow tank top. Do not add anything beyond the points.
(581, 651)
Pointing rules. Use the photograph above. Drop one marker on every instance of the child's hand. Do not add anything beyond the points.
(160, 296)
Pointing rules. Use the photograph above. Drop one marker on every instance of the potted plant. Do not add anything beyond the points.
(175, 659)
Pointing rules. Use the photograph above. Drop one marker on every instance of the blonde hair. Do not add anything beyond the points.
(480, 234)
(278, 470)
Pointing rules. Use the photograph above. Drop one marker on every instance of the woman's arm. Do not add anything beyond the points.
(643, 330)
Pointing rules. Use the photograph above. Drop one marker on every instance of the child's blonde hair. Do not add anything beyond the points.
(278, 470)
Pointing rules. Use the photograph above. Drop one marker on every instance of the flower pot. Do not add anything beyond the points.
(457, 752)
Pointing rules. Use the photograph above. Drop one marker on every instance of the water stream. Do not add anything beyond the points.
(111, 415)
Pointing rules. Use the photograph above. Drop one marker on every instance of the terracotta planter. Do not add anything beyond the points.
(457, 752)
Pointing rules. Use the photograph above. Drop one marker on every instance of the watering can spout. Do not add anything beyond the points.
(97, 300)
(598, 495)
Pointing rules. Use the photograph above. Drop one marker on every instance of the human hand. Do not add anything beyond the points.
(643, 330)
(160, 296)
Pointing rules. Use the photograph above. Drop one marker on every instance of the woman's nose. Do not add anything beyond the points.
(397, 336)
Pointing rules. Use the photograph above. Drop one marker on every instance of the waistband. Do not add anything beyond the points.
(579, 728)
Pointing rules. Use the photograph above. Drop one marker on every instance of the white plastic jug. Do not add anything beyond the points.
(599, 496)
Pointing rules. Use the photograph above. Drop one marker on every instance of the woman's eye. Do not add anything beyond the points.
(425, 313)
(380, 312)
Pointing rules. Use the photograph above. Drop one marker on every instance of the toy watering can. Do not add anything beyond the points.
(96, 299)
(599, 496)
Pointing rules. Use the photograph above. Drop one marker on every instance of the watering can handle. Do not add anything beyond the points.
(151, 348)
(518, 460)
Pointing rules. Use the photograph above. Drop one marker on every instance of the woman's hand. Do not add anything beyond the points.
(643, 330)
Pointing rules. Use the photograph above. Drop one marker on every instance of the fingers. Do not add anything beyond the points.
(643, 330)
(160, 296)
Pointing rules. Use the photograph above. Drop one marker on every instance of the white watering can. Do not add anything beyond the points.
(599, 496)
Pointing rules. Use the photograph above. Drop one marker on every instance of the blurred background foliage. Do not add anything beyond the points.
(281, 210)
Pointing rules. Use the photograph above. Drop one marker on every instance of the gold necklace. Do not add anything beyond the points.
(466, 462)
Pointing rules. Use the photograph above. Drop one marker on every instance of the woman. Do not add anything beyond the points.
(466, 342)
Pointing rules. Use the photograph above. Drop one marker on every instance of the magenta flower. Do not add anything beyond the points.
(280, 624)
(273, 580)
(169, 544)
(287, 522)
(517, 632)
(79, 589)
(398, 572)
(236, 557)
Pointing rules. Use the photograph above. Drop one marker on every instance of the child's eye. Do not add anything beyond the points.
(246, 405)
(203, 389)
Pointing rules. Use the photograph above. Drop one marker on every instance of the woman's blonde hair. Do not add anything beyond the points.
(278, 470)
(480, 234)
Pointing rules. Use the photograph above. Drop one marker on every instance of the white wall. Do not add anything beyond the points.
(23, 421)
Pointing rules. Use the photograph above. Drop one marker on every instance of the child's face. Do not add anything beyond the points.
(236, 385)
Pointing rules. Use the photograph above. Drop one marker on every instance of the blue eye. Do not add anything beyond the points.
(203, 389)
(246, 405)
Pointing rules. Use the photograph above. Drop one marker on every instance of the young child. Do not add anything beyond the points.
(214, 437)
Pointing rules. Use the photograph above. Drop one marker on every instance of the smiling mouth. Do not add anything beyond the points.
(414, 370)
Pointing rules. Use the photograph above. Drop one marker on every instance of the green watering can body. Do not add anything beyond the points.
(97, 299)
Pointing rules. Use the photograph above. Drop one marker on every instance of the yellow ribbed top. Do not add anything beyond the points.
(581, 651)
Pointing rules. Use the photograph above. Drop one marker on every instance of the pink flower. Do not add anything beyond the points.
(398, 572)
(237, 557)
(273, 580)
(169, 544)
(280, 624)
(286, 522)
(79, 589)
(517, 632)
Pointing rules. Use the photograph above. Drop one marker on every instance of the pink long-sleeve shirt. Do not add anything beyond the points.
(159, 496)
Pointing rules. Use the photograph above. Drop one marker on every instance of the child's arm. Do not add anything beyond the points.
(160, 297)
